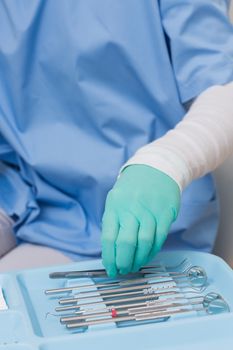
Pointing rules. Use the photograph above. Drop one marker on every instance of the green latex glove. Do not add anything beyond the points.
(138, 213)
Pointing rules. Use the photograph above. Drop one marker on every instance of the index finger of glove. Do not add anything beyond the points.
(110, 228)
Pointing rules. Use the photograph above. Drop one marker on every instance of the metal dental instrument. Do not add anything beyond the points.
(148, 295)
(130, 305)
(212, 303)
(151, 296)
(132, 310)
(93, 312)
(132, 285)
(141, 289)
(102, 272)
(196, 275)
(102, 285)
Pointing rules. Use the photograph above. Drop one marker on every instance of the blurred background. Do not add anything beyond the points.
(224, 180)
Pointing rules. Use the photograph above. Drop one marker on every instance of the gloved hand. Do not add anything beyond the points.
(138, 213)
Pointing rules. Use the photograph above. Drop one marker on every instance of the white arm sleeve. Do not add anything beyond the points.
(199, 143)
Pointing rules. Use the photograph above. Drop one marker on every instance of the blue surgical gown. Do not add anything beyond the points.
(83, 85)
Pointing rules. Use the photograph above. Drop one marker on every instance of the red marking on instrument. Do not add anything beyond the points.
(114, 313)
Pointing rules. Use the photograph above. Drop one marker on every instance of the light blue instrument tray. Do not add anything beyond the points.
(30, 324)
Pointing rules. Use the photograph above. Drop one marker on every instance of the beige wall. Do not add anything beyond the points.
(224, 179)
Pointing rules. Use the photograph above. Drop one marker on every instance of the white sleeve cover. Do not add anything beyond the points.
(199, 143)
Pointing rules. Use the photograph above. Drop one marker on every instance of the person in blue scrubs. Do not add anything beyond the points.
(84, 85)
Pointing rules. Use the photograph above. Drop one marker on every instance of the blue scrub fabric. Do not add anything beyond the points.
(83, 85)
